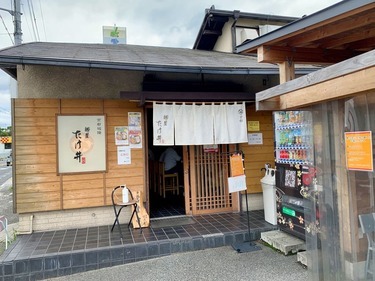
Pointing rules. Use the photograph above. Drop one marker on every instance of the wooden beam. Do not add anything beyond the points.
(346, 38)
(347, 85)
(269, 105)
(344, 68)
(187, 96)
(275, 54)
(333, 29)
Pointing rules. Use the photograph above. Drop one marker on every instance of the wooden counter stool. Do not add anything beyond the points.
(118, 205)
(168, 182)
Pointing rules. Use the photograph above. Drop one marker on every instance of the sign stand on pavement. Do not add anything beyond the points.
(236, 183)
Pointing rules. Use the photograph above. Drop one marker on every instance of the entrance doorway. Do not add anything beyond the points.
(202, 179)
(166, 187)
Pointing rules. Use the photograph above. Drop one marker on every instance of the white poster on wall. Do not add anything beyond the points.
(81, 143)
(123, 155)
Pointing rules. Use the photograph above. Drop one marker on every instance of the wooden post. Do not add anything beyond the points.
(287, 71)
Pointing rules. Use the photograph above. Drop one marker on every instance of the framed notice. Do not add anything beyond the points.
(81, 143)
(358, 151)
(255, 138)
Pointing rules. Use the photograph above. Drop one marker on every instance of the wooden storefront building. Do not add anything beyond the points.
(57, 81)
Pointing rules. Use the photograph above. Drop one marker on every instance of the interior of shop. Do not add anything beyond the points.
(166, 183)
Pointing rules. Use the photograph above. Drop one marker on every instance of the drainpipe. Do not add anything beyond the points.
(31, 227)
(236, 15)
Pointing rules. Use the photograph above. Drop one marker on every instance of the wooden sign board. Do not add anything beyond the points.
(236, 165)
(142, 213)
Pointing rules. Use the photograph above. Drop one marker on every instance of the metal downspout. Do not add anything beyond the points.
(236, 15)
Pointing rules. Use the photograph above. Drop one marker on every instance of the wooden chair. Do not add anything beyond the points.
(168, 182)
(367, 222)
(118, 205)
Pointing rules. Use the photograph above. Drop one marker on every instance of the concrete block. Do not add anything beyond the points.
(302, 258)
(283, 242)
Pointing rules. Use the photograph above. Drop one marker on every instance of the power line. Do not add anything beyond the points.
(25, 17)
(32, 22)
(36, 24)
(44, 26)
(10, 36)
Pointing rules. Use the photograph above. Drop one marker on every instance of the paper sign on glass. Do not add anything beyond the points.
(358, 150)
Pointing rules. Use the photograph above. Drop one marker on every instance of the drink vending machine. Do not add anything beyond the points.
(295, 172)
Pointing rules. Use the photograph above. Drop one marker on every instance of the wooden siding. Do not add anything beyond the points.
(258, 155)
(37, 185)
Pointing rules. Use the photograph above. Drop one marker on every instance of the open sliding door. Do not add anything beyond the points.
(206, 180)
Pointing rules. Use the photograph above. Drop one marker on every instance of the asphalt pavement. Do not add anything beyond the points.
(6, 193)
(222, 263)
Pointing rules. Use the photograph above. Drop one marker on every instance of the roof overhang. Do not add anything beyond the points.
(344, 79)
(145, 96)
(134, 58)
(338, 32)
(342, 35)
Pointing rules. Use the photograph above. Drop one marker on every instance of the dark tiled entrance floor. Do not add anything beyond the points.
(57, 253)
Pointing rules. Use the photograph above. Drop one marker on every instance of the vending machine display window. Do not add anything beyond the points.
(294, 157)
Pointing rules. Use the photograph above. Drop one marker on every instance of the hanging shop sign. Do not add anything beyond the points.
(237, 180)
(358, 151)
(199, 124)
(236, 165)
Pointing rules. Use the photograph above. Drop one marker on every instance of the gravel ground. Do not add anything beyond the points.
(211, 264)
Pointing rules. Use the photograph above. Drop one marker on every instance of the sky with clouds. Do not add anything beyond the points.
(168, 23)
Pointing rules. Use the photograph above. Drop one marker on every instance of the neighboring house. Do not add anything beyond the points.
(223, 31)
(341, 98)
(58, 81)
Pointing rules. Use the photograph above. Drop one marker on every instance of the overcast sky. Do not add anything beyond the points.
(168, 23)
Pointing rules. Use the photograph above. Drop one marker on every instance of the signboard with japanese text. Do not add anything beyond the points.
(81, 143)
(236, 165)
(236, 184)
(253, 126)
(358, 150)
(123, 155)
(255, 138)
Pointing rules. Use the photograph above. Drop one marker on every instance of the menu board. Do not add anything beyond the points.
(236, 165)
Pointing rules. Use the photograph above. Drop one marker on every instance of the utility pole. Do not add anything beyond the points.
(17, 21)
